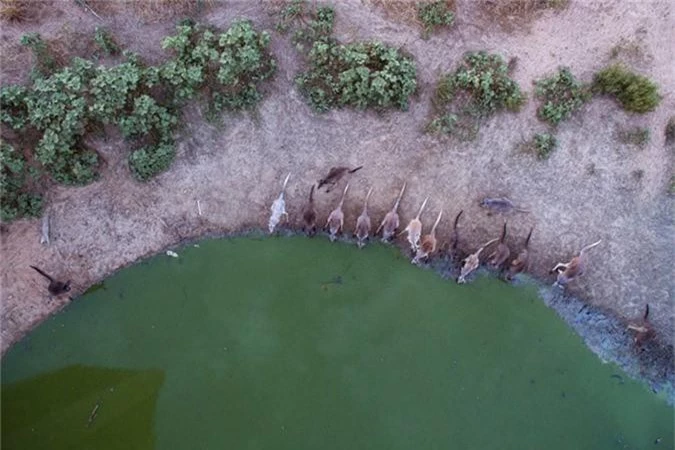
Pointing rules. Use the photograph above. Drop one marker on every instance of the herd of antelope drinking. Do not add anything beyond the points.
(422, 246)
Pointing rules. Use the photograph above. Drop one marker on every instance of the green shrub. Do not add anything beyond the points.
(310, 23)
(543, 144)
(147, 162)
(479, 88)
(53, 115)
(634, 92)
(435, 14)
(637, 136)
(105, 41)
(561, 95)
(15, 201)
(228, 68)
(44, 61)
(360, 75)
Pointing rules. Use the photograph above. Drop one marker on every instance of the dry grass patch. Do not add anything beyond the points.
(399, 11)
(513, 14)
(14, 10)
(150, 11)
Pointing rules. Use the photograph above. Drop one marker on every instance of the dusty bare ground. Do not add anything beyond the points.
(588, 189)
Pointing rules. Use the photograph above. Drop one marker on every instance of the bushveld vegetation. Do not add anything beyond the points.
(15, 186)
(634, 92)
(542, 145)
(560, 95)
(62, 105)
(360, 74)
(434, 15)
(479, 88)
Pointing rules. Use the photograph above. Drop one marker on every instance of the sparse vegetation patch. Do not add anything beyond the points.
(434, 15)
(636, 136)
(560, 95)
(634, 92)
(479, 88)
(360, 75)
(16, 198)
(541, 145)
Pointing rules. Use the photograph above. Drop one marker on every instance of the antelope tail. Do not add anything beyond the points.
(588, 247)
(646, 312)
(283, 188)
(365, 204)
(529, 235)
(42, 273)
(438, 219)
(398, 200)
(311, 195)
(501, 239)
(480, 250)
(344, 194)
(419, 213)
(457, 219)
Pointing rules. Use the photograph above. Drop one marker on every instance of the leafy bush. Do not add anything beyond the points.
(634, 92)
(637, 136)
(149, 161)
(15, 202)
(361, 74)
(479, 88)
(105, 41)
(435, 14)
(543, 144)
(561, 95)
(54, 114)
(229, 66)
(44, 61)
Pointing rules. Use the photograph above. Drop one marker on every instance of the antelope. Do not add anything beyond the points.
(309, 215)
(362, 229)
(336, 218)
(472, 262)
(55, 287)
(390, 222)
(520, 263)
(414, 228)
(501, 253)
(643, 330)
(573, 269)
(278, 208)
(428, 244)
(335, 174)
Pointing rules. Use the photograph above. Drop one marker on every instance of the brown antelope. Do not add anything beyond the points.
(643, 329)
(428, 244)
(472, 262)
(336, 219)
(362, 230)
(573, 269)
(414, 228)
(390, 222)
(454, 238)
(501, 253)
(335, 174)
(309, 215)
(520, 263)
(278, 208)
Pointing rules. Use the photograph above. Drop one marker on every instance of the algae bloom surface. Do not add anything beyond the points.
(296, 343)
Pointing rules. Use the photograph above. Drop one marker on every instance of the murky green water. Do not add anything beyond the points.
(300, 344)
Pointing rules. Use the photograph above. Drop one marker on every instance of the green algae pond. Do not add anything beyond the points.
(292, 343)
